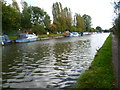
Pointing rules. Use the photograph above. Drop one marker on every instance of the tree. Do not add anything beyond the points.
(26, 16)
(26, 19)
(117, 20)
(93, 30)
(62, 17)
(87, 22)
(117, 7)
(40, 18)
(99, 29)
(58, 16)
(79, 23)
(30, 19)
(24, 4)
(38, 29)
(34, 19)
(68, 17)
(10, 19)
(47, 21)
(15, 5)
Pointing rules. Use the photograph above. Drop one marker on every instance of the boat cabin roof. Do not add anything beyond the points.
(22, 36)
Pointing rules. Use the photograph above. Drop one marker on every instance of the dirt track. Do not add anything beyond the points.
(116, 59)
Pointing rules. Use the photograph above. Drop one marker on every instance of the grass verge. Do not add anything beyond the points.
(13, 37)
(50, 35)
(100, 73)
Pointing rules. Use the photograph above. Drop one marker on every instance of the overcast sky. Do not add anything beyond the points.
(101, 11)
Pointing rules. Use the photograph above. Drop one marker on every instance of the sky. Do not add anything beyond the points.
(101, 11)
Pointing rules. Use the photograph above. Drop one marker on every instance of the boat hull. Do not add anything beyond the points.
(26, 40)
(7, 41)
(68, 36)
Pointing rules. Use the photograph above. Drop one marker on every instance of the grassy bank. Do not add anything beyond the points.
(13, 37)
(100, 73)
(50, 35)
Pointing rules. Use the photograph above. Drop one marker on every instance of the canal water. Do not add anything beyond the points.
(54, 63)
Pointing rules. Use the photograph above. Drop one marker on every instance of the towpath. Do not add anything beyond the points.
(116, 59)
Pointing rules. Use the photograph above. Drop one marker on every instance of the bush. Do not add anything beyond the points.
(38, 29)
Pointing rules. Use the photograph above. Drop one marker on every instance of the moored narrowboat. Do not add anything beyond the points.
(25, 37)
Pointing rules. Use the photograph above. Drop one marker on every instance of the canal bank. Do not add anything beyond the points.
(100, 73)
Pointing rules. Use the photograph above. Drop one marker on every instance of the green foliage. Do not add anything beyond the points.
(93, 30)
(87, 22)
(68, 17)
(13, 37)
(15, 5)
(100, 73)
(35, 16)
(117, 24)
(47, 22)
(26, 18)
(24, 4)
(99, 29)
(10, 19)
(38, 29)
(73, 29)
(116, 27)
(79, 23)
(31, 18)
(62, 17)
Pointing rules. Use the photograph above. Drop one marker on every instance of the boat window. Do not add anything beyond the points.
(22, 36)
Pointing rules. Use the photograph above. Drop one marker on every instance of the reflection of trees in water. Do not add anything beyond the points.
(62, 48)
(9, 54)
(63, 51)
(28, 51)
(81, 47)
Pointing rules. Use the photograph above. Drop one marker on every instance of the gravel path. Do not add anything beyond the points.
(116, 59)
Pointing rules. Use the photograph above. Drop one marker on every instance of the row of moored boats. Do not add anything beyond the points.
(25, 37)
(72, 34)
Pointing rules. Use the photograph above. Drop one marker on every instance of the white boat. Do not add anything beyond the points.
(75, 34)
(86, 33)
(25, 37)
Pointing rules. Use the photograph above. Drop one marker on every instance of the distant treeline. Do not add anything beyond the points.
(34, 19)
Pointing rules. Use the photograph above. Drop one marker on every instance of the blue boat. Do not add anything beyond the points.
(68, 34)
(75, 34)
(25, 37)
(4, 39)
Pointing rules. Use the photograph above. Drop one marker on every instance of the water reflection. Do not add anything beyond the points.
(55, 63)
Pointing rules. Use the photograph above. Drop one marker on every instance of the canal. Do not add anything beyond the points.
(54, 63)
